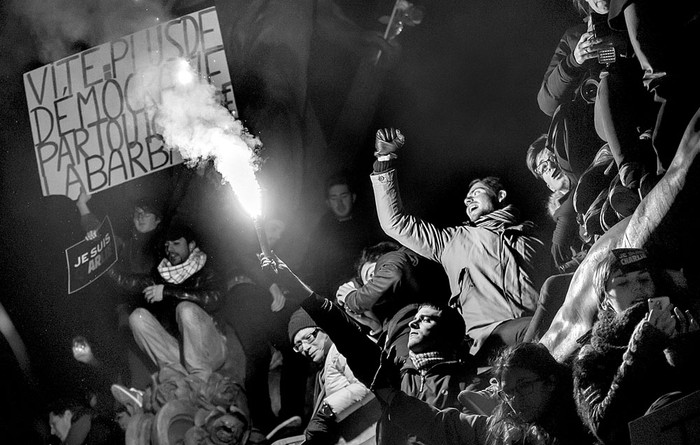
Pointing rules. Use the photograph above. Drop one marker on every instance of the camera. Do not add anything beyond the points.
(589, 90)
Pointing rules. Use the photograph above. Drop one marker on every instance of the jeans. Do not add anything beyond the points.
(203, 347)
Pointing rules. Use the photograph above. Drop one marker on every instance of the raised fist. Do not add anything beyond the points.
(388, 141)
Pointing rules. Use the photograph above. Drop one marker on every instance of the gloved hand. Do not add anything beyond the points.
(283, 275)
(388, 374)
(387, 142)
(322, 429)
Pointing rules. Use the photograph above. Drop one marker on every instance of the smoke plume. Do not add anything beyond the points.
(188, 114)
(60, 27)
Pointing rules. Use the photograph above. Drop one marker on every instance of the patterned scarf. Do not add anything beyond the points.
(181, 272)
(425, 360)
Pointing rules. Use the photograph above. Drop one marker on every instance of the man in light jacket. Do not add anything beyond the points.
(342, 403)
(495, 265)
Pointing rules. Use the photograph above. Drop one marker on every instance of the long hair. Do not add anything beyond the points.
(506, 427)
(610, 264)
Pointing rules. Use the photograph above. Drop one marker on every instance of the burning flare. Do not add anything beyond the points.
(190, 117)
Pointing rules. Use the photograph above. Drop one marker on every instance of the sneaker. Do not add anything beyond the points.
(481, 402)
(131, 398)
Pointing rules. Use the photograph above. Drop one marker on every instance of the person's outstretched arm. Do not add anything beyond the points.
(420, 236)
(360, 351)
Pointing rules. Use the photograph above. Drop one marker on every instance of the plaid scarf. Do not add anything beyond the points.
(426, 360)
(181, 272)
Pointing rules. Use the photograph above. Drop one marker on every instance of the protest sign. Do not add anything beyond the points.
(89, 259)
(90, 121)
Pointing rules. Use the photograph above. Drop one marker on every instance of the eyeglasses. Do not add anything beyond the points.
(306, 340)
(523, 389)
(545, 165)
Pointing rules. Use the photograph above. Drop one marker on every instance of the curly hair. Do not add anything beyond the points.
(533, 357)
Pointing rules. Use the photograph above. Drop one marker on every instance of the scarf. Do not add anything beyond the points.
(612, 331)
(181, 272)
(495, 220)
(425, 360)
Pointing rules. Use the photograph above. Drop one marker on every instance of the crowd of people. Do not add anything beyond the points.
(395, 330)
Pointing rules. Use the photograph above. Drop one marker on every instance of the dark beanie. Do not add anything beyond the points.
(178, 230)
(299, 320)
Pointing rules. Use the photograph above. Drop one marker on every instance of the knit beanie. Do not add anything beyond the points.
(299, 320)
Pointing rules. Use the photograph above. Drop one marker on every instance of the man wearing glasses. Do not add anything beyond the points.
(339, 397)
(568, 248)
(434, 371)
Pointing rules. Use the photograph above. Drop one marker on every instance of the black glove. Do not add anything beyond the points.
(322, 428)
(388, 141)
(280, 273)
(388, 374)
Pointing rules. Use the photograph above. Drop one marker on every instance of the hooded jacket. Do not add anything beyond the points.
(495, 268)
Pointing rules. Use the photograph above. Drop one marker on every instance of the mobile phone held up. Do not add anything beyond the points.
(659, 303)
(601, 30)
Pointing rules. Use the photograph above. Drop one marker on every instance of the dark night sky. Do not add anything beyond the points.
(463, 91)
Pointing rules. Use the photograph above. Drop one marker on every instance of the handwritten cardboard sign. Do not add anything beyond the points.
(90, 129)
(88, 260)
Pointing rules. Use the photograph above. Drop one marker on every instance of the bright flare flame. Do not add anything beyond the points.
(184, 73)
(191, 119)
